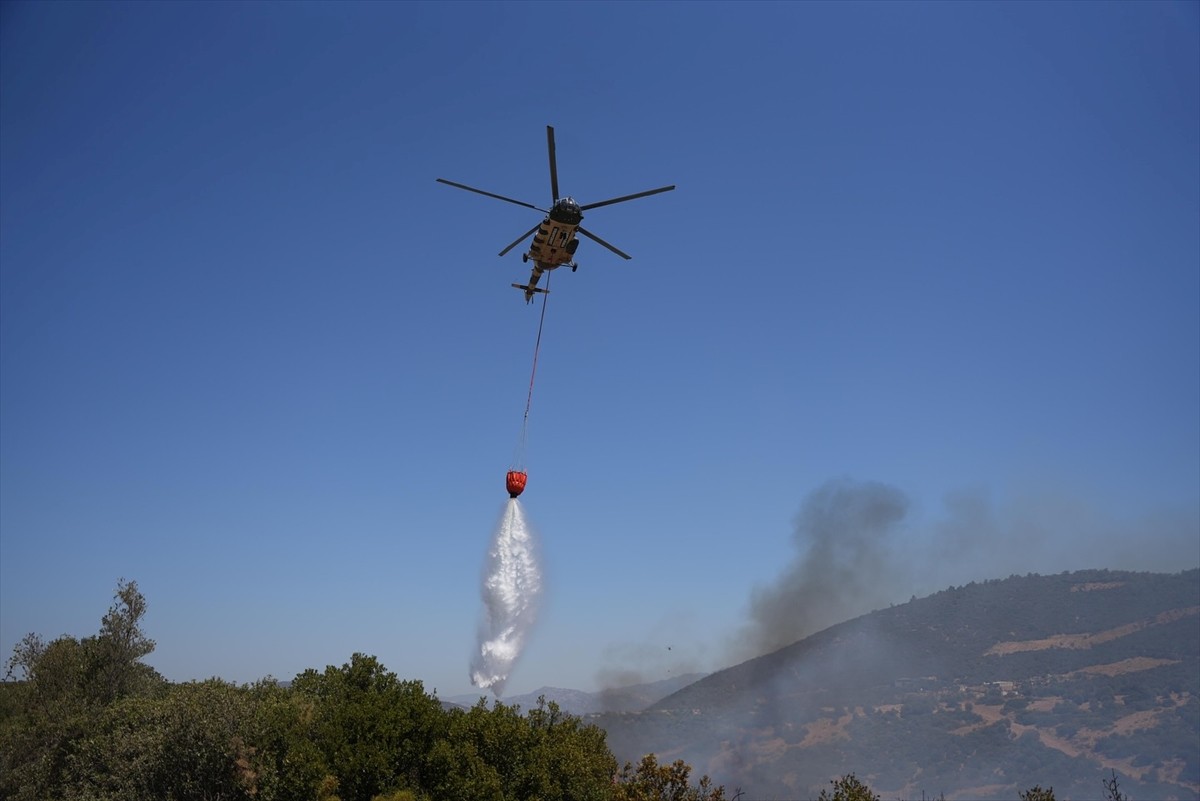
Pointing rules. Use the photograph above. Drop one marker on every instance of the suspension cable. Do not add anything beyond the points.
(537, 346)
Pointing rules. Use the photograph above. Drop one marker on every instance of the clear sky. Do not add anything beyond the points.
(253, 357)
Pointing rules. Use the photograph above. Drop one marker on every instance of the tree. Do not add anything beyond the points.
(25, 657)
(95, 670)
(189, 744)
(1036, 793)
(121, 645)
(372, 730)
(848, 788)
(1112, 790)
(653, 782)
(288, 761)
(69, 683)
(498, 754)
(565, 759)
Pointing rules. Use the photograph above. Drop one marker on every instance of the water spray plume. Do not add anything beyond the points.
(512, 585)
(512, 579)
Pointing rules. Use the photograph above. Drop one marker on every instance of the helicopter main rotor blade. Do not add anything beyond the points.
(595, 238)
(492, 194)
(626, 197)
(520, 239)
(553, 164)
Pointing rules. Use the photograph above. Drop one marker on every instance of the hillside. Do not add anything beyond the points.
(977, 692)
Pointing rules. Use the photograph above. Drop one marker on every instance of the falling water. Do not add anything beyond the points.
(512, 583)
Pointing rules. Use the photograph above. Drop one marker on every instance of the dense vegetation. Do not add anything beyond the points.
(89, 720)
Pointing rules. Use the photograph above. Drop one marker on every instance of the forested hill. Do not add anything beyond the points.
(974, 692)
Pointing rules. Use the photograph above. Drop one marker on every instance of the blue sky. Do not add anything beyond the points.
(254, 358)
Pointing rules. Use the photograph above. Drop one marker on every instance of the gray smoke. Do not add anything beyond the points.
(858, 549)
(845, 565)
(512, 586)
(861, 546)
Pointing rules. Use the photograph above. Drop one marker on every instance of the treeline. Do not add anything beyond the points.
(851, 788)
(87, 719)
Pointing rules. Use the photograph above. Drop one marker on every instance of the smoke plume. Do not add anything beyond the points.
(858, 548)
(512, 584)
(843, 564)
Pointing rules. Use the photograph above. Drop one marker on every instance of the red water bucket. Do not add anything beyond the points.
(514, 482)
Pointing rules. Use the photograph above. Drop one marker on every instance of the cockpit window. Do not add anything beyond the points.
(566, 210)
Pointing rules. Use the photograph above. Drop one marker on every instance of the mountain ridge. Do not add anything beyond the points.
(626, 698)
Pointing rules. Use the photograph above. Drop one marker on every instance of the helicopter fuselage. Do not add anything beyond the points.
(554, 243)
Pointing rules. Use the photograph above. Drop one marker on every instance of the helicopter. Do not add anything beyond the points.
(554, 241)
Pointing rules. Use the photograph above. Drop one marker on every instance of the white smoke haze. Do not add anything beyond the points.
(512, 586)
(669, 653)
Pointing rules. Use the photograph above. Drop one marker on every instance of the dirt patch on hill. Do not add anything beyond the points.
(1083, 742)
(1084, 641)
(1092, 586)
(989, 714)
(827, 730)
(1049, 739)
(1146, 719)
(1046, 704)
(1132, 665)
